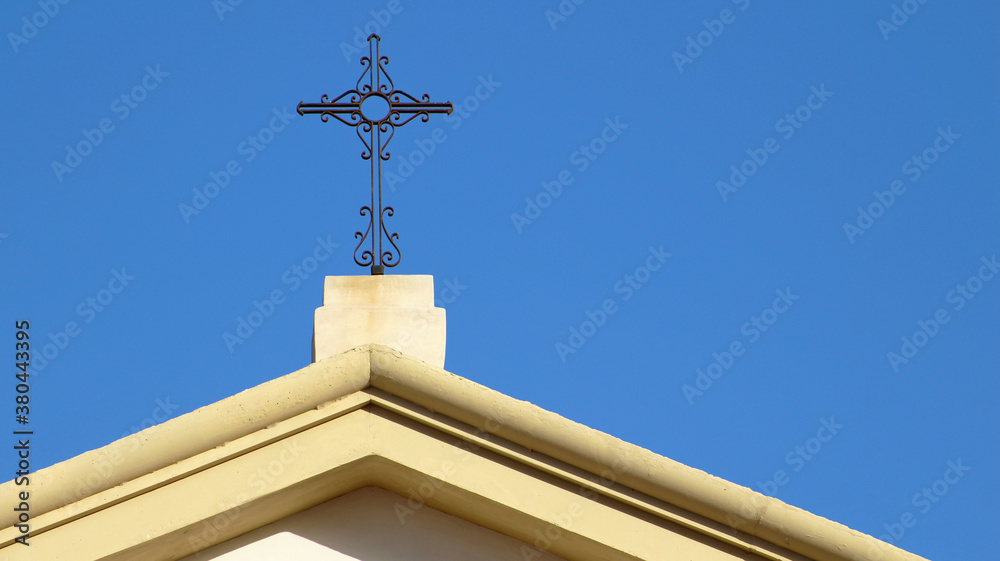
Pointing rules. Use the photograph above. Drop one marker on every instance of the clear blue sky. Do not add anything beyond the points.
(735, 167)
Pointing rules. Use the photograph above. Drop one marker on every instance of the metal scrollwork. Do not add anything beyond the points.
(375, 133)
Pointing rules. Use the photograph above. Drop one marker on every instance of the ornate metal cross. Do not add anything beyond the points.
(375, 109)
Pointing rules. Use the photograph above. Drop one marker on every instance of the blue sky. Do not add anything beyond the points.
(714, 229)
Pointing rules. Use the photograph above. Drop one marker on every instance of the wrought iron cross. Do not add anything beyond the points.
(375, 109)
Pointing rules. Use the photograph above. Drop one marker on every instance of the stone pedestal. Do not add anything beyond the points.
(393, 310)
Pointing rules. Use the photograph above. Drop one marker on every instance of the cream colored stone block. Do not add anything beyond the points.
(392, 310)
(401, 291)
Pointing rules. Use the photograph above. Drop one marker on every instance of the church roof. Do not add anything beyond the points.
(373, 416)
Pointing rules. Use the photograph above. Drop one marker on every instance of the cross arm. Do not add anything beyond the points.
(445, 108)
(346, 103)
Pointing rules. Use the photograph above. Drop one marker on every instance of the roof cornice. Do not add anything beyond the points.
(380, 376)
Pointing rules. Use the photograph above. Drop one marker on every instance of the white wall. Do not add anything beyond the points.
(365, 525)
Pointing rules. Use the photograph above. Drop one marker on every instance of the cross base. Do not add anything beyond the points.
(378, 270)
